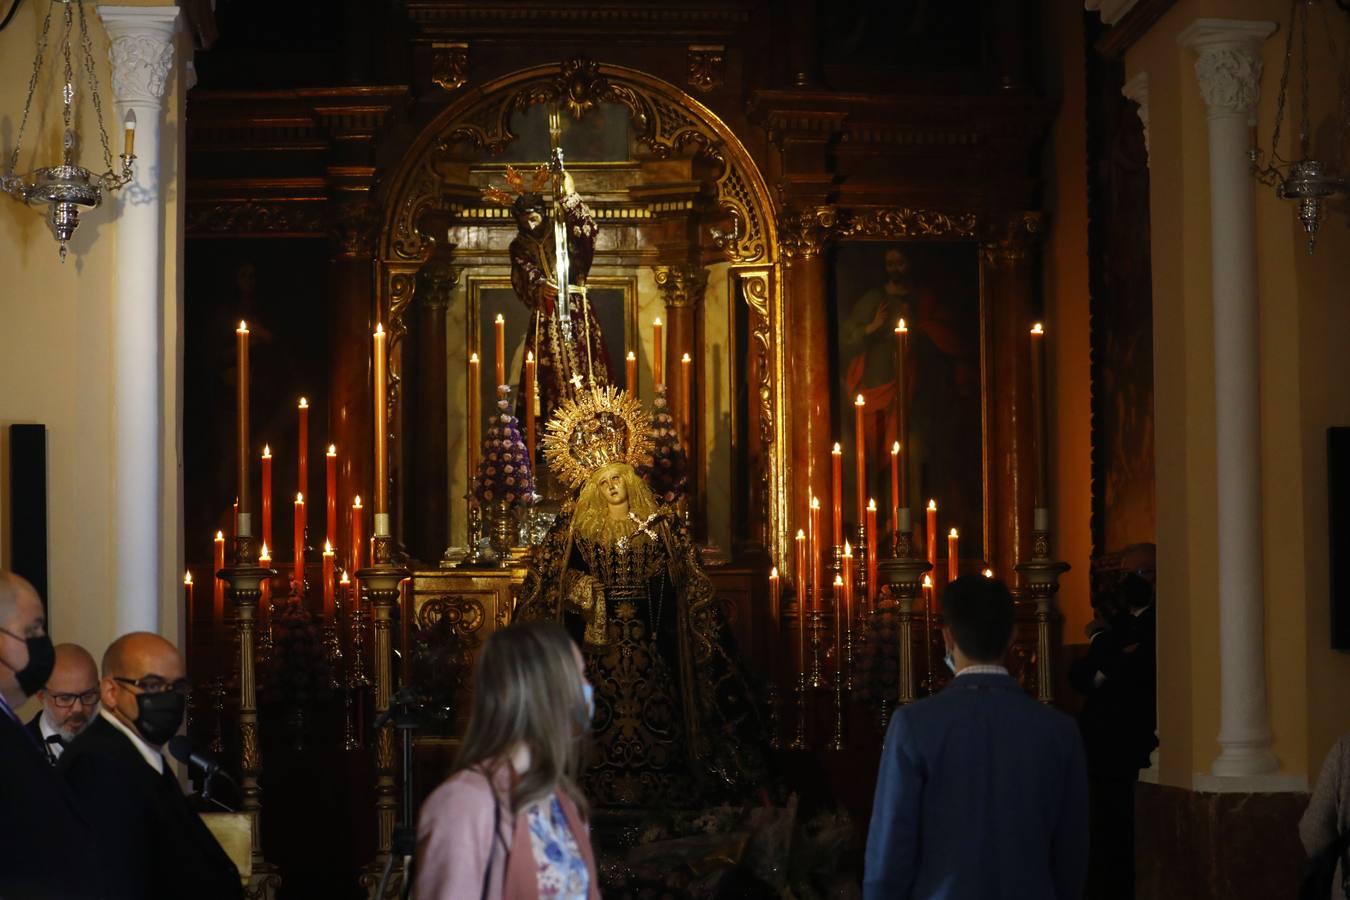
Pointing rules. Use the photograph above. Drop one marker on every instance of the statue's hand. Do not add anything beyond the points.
(569, 186)
(548, 295)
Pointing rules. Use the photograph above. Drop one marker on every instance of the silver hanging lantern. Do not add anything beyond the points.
(68, 188)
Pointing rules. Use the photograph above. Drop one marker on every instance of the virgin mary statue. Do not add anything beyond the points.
(674, 722)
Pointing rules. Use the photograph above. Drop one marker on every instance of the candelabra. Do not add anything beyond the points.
(904, 573)
(1041, 574)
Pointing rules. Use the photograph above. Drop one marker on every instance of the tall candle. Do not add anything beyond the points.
(930, 533)
(475, 398)
(265, 561)
(687, 389)
(302, 480)
(872, 541)
(630, 373)
(328, 568)
(330, 460)
(267, 494)
(895, 487)
(298, 567)
(837, 501)
(775, 595)
(953, 556)
(357, 536)
(218, 591)
(800, 584)
(499, 338)
(848, 579)
(530, 374)
(1038, 415)
(902, 410)
(187, 591)
(928, 592)
(381, 434)
(860, 454)
(658, 357)
(840, 591)
(243, 526)
(814, 536)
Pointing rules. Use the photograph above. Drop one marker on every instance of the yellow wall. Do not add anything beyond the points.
(56, 364)
(1305, 386)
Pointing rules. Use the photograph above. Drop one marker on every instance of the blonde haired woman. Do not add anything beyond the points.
(510, 822)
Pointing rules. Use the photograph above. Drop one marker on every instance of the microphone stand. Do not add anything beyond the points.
(403, 711)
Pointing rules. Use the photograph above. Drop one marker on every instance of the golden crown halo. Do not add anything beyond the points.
(516, 181)
(599, 427)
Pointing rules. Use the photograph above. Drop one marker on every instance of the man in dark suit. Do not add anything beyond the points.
(156, 846)
(69, 701)
(46, 846)
(982, 792)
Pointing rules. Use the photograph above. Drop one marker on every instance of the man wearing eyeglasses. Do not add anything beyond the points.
(155, 845)
(69, 701)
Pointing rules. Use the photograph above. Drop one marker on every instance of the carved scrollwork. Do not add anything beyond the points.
(464, 615)
(450, 66)
(706, 64)
(803, 232)
(1009, 239)
(902, 223)
(681, 286)
(250, 759)
(354, 228)
(250, 217)
(755, 286)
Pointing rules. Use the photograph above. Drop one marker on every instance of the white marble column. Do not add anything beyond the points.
(1228, 69)
(141, 51)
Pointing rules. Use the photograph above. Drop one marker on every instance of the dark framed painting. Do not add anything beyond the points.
(935, 288)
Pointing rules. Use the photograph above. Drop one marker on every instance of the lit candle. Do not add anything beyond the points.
(658, 358)
(801, 600)
(330, 459)
(847, 582)
(529, 404)
(928, 592)
(871, 553)
(1040, 515)
(129, 134)
(243, 522)
(475, 398)
(902, 411)
(775, 594)
(687, 389)
(267, 494)
(930, 533)
(630, 373)
(499, 336)
(860, 454)
(265, 560)
(988, 573)
(840, 591)
(837, 501)
(381, 435)
(328, 565)
(187, 590)
(298, 568)
(218, 591)
(953, 556)
(234, 519)
(302, 480)
(895, 487)
(814, 536)
(356, 534)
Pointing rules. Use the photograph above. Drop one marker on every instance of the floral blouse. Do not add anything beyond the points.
(562, 870)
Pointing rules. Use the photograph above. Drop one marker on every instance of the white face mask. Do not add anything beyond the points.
(951, 663)
(589, 693)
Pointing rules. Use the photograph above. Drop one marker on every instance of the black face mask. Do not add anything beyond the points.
(158, 716)
(41, 660)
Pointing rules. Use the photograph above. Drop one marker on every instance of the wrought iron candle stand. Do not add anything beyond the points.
(1041, 574)
(904, 573)
(243, 583)
(381, 582)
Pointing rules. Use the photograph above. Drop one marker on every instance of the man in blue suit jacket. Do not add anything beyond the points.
(982, 792)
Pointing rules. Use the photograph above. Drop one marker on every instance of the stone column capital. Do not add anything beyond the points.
(1136, 89)
(141, 52)
(681, 286)
(1228, 63)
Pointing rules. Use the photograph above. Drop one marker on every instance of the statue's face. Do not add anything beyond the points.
(612, 487)
(533, 219)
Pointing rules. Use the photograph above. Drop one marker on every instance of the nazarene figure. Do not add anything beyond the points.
(675, 723)
(566, 340)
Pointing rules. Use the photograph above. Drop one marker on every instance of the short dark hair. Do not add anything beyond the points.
(526, 203)
(979, 612)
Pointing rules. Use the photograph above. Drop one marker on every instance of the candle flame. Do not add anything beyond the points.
(901, 327)
(860, 401)
(499, 320)
(871, 505)
(773, 573)
(267, 451)
(1038, 328)
(656, 321)
(243, 327)
(953, 534)
(327, 548)
(632, 356)
(379, 329)
(304, 403)
(187, 577)
(220, 536)
(988, 573)
(344, 579)
(473, 359)
(839, 581)
(332, 449)
(815, 503)
(685, 358)
(928, 582)
(837, 450)
(801, 535)
(299, 497)
(264, 555)
(356, 502)
(932, 504)
(848, 549)
(895, 449)
(529, 356)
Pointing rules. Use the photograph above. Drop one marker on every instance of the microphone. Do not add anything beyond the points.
(180, 746)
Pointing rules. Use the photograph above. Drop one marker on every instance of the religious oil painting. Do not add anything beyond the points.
(613, 301)
(935, 288)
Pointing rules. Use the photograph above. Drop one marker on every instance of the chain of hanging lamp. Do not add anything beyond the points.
(67, 188)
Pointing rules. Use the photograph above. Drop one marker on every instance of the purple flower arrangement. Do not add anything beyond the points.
(504, 471)
(666, 467)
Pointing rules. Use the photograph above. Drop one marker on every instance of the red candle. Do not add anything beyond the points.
(930, 534)
(529, 404)
(187, 590)
(356, 534)
(267, 494)
(895, 487)
(902, 411)
(265, 560)
(298, 570)
(871, 554)
(242, 527)
(815, 552)
(687, 389)
(837, 501)
(928, 592)
(860, 454)
(775, 594)
(499, 335)
(953, 556)
(475, 398)
(801, 600)
(330, 459)
(658, 359)
(839, 591)
(328, 566)
(218, 592)
(630, 373)
(302, 481)
(848, 582)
